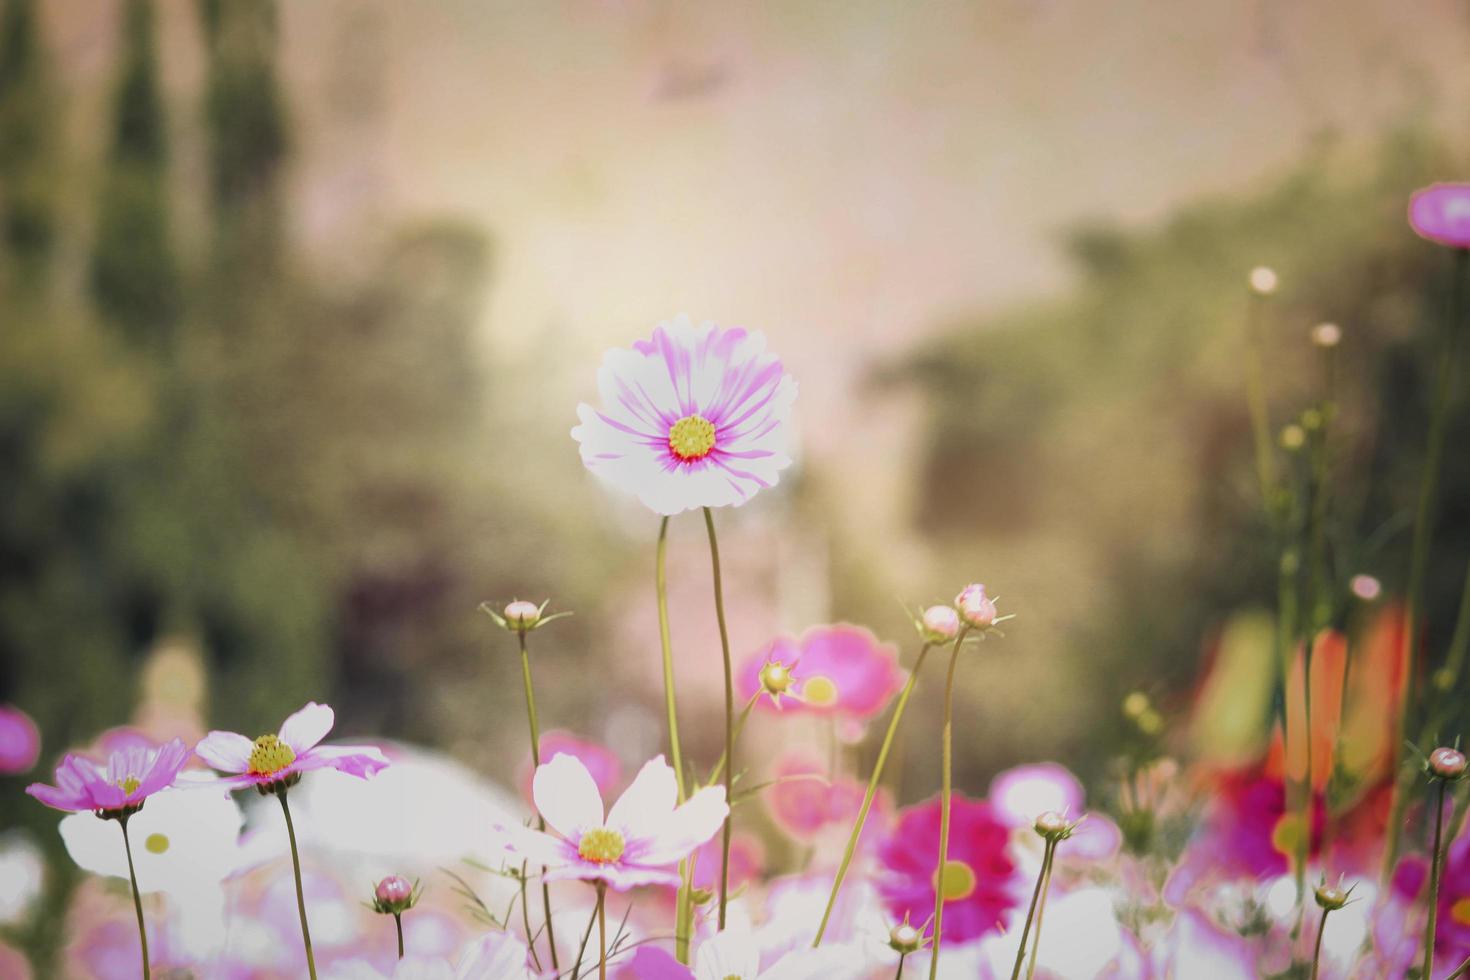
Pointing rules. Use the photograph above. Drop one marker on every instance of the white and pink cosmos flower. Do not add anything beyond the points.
(122, 783)
(692, 417)
(638, 842)
(295, 749)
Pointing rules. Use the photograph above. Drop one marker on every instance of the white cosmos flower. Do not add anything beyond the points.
(496, 956)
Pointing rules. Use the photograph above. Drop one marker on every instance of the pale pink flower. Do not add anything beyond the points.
(692, 417)
(840, 670)
(1441, 213)
(20, 741)
(122, 783)
(803, 803)
(636, 843)
(1020, 795)
(295, 749)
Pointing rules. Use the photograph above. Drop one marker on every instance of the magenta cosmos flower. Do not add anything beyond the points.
(120, 785)
(692, 417)
(979, 877)
(1441, 213)
(637, 843)
(283, 757)
(837, 670)
(20, 741)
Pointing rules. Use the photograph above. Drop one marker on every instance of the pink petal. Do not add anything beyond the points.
(566, 796)
(693, 823)
(653, 963)
(1018, 796)
(225, 751)
(648, 802)
(361, 761)
(303, 730)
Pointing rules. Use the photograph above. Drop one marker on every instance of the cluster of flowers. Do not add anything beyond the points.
(1195, 873)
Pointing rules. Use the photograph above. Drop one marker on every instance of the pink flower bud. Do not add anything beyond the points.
(1447, 763)
(522, 615)
(939, 624)
(975, 607)
(1366, 587)
(393, 891)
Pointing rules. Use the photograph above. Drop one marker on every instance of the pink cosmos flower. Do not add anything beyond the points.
(602, 763)
(1441, 213)
(692, 417)
(840, 670)
(20, 741)
(296, 749)
(804, 807)
(121, 784)
(637, 843)
(979, 881)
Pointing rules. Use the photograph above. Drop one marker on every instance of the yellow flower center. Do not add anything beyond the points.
(959, 881)
(819, 691)
(270, 755)
(601, 845)
(775, 677)
(692, 437)
(156, 843)
(1460, 911)
(128, 785)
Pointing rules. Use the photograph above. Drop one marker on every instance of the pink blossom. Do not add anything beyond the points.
(1019, 795)
(692, 417)
(20, 741)
(602, 763)
(1441, 213)
(393, 890)
(980, 884)
(975, 607)
(804, 807)
(637, 843)
(840, 670)
(127, 778)
(295, 749)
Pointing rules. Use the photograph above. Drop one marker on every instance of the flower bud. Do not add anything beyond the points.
(775, 678)
(1263, 280)
(1331, 897)
(1447, 763)
(975, 607)
(939, 624)
(394, 894)
(701, 896)
(1326, 335)
(1053, 826)
(1366, 587)
(522, 615)
(904, 938)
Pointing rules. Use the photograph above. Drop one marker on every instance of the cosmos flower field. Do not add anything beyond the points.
(1338, 851)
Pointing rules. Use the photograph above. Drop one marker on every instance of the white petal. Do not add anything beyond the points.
(693, 823)
(732, 953)
(225, 751)
(307, 727)
(648, 802)
(566, 796)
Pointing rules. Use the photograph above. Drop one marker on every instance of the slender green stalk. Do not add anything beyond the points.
(901, 958)
(872, 791)
(684, 907)
(1031, 910)
(714, 557)
(714, 774)
(398, 923)
(1419, 553)
(945, 793)
(300, 894)
(602, 930)
(137, 898)
(582, 949)
(1317, 951)
(1436, 859)
(1454, 660)
(540, 820)
(1040, 916)
(1460, 970)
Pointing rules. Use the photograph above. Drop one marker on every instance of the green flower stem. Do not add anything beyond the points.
(137, 898)
(1317, 950)
(1419, 552)
(1434, 864)
(862, 816)
(945, 793)
(398, 924)
(540, 820)
(714, 557)
(901, 958)
(1040, 916)
(1460, 970)
(300, 894)
(1041, 876)
(714, 774)
(602, 930)
(684, 907)
(582, 949)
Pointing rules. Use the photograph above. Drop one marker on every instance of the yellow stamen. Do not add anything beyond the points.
(128, 785)
(692, 437)
(1460, 911)
(959, 881)
(819, 691)
(270, 755)
(601, 845)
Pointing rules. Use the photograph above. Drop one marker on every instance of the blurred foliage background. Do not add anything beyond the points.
(310, 458)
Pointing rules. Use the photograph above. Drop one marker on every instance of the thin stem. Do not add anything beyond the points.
(540, 820)
(602, 930)
(1460, 970)
(1434, 864)
(582, 949)
(1419, 550)
(1041, 913)
(684, 909)
(398, 922)
(1317, 952)
(872, 791)
(714, 773)
(1031, 910)
(526, 916)
(945, 793)
(901, 958)
(137, 898)
(714, 557)
(300, 895)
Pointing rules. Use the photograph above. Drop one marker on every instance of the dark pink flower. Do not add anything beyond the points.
(1441, 213)
(841, 670)
(295, 749)
(979, 878)
(20, 741)
(122, 783)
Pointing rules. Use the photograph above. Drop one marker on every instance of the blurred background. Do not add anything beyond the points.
(297, 302)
